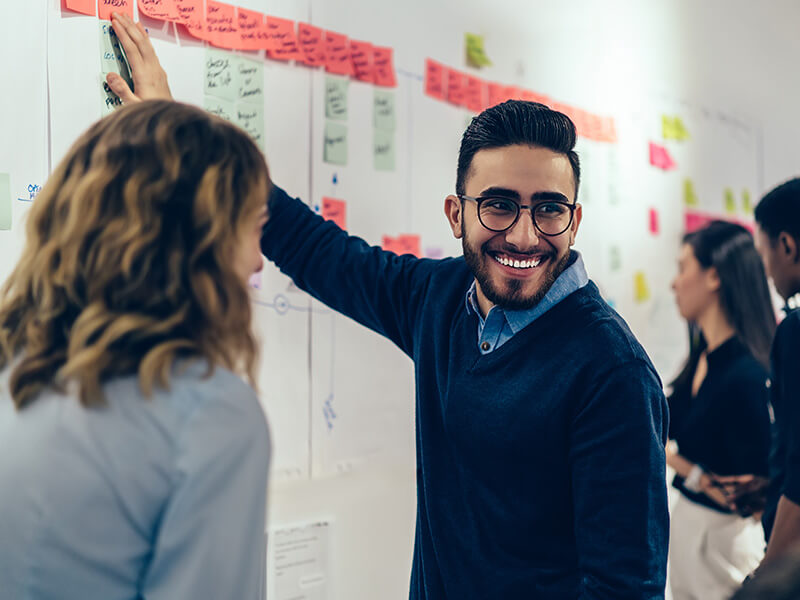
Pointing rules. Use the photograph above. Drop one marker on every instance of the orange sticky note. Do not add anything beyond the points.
(408, 243)
(456, 87)
(383, 60)
(659, 157)
(252, 30)
(497, 93)
(337, 54)
(192, 16)
(106, 7)
(163, 10)
(84, 7)
(335, 210)
(434, 79)
(475, 94)
(312, 46)
(222, 26)
(361, 55)
(283, 39)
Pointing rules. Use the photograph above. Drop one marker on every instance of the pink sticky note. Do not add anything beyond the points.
(383, 60)
(222, 26)
(654, 228)
(407, 243)
(335, 210)
(163, 10)
(475, 94)
(312, 45)
(659, 157)
(434, 79)
(252, 30)
(106, 7)
(695, 220)
(456, 87)
(361, 55)
(284, 39)
(337, 54)
(192, 16)
(84, 7)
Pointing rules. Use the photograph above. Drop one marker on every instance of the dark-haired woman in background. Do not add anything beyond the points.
(719, 414)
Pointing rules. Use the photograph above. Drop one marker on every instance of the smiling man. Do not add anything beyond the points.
(540, 421)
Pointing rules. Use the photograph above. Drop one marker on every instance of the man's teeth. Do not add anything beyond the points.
(518, 264)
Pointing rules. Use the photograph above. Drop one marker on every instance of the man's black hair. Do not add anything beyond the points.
(779, 210)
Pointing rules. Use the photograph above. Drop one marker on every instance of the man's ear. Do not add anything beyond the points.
(788, 246)
(453, 212)
(576, 222)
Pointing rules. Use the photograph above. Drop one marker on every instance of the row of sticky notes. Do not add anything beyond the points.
(475, 94)
(234, 28)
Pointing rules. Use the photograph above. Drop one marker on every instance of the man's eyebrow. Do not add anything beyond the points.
(513, 194)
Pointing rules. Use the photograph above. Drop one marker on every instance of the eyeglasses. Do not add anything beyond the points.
(496, 213)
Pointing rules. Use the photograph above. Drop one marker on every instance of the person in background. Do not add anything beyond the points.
(719, 413)
(541, 422)
(134, 452)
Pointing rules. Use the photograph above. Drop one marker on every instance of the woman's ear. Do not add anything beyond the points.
(712, 279)
(454, 214)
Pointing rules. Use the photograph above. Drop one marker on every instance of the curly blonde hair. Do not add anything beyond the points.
(128, 261)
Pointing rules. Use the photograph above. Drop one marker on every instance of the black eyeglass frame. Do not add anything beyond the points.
(481, 199)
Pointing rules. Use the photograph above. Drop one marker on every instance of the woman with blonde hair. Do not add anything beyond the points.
(133, 450)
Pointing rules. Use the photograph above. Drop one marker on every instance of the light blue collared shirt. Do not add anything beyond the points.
(500, 325)
(161, 498)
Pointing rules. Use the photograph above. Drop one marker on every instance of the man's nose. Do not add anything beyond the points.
(523, 235)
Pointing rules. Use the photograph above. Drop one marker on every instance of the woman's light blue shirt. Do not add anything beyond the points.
(160, 498)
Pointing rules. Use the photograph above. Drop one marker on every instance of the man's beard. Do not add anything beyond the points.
(512, 298)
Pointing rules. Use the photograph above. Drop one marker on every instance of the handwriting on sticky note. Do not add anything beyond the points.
(252, 30)
(476, 53)
(660, 157)
(384, 150)
(384, 110)
(192, 16)
(361, 55)
(335, 210)
(456, 87)
(434, 79)
(106, 7)
(641, 291)
(164, 10)
(283, 39)
(109, 100)
(383, 60)
(335, 143)
(408, 243)
(336, 98)
(475, 94)
(250, 82)
(337, 54)
(224, 109)
(250, 117)
(84, 7)
(5, 201)
(222, 27)
(312, 44)
(221, 78)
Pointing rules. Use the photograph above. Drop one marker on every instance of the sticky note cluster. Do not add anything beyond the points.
(231, 27)
(234, 91)
(455, 87)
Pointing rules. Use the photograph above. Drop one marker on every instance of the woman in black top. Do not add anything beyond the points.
(719, 411)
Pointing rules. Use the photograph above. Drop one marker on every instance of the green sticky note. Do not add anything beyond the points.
(336, 98)
(476, 52)
(335, 146)
(383, 109)
(747, 203)
(615, 258)
(224, 109)
(730, 201)
(689, 195)
(5, 201)
(250, 117)
(221, 74)
(112, 56)
(109, 99)
(673, 128)
(250, 81)
(384, 150)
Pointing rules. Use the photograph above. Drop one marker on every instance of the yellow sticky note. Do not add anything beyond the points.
(641, 292)
(476, 53)
(730, 201)
(689, 195)
(747, 203)
(673, 128)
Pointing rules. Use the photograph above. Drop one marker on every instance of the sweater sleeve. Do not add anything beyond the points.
(379, 289)
(619, 493)
(745, 424)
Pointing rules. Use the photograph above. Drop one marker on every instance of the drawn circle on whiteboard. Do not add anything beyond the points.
(281, 304)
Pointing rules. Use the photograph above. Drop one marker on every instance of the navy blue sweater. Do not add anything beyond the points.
(540, 466)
